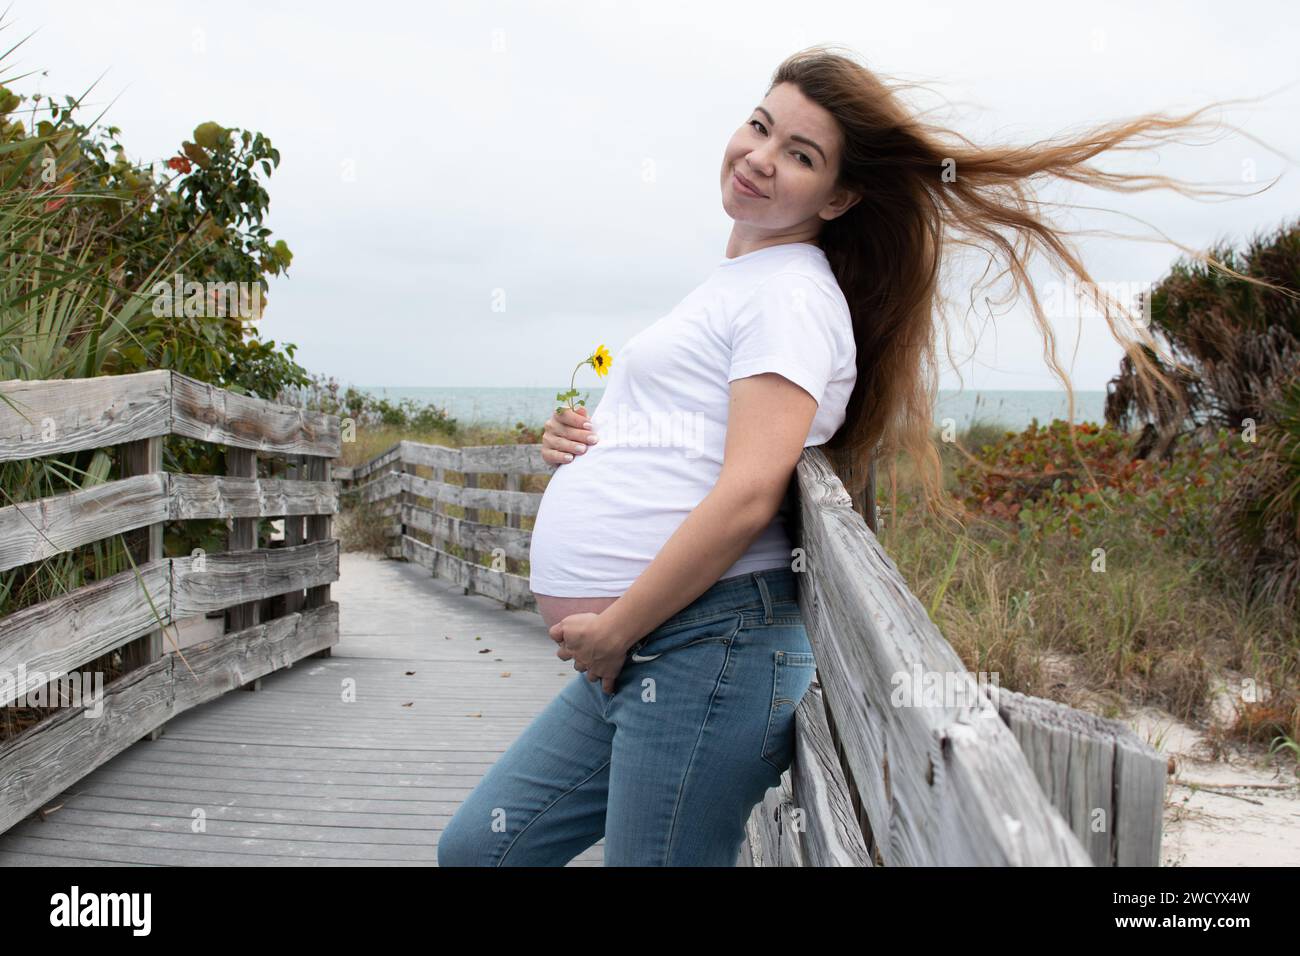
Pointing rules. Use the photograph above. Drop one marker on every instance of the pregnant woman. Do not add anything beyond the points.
(661, 560)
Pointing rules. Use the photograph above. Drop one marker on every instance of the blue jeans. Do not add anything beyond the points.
(669, 766)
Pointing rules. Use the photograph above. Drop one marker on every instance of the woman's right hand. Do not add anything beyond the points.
(566, 433)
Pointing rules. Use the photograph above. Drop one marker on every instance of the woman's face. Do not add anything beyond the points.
(789, 150)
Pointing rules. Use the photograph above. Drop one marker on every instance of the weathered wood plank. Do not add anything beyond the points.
(233, 660)
(943, 783)
(179, 844)
(809, 820)
(1139, 806)
(831, 835)
(223, 580)
(47, 758)
(471, 497)
(35, 530)
(124, 855)
(38, 858)
(376, 465)
(197, 757)
(61, 634)
(61, 415)
(495, 459)
(1076, 757)
(213, 414)
(519, 459)
(860, 483)
(47, 417)
(147, 785)
(216, 496)
(381, 488)
(468, 534)
(58, 635)
(762, 843)
(510, 589)
(360, 837)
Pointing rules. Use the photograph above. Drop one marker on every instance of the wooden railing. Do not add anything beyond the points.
(979, 776)
(390, 484)
(973, 776)
(276, 600)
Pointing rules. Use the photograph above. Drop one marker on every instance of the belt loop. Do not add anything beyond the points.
(767, 597)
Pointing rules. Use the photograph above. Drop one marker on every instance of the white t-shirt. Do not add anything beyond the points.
(662, 420)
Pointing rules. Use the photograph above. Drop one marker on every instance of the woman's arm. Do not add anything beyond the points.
(767, 424)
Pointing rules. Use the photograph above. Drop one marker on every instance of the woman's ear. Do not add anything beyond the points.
(842, 200)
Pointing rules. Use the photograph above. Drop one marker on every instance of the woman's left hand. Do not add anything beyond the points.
(584, 639)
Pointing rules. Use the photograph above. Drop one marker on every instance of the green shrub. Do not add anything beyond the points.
(87, 240)
(1259, 525)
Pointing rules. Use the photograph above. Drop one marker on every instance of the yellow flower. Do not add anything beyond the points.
(599, 360)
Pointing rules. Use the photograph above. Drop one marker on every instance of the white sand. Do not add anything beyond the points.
(1253, 821)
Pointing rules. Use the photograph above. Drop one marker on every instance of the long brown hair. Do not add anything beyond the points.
(924, 187)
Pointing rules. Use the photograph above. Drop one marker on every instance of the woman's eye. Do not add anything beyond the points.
(758, 125)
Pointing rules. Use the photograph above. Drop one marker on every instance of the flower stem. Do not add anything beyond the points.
(573, 378)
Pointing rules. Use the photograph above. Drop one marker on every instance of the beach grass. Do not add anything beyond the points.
(1164, 621)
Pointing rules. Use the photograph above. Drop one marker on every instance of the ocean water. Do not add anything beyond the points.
(532, 406)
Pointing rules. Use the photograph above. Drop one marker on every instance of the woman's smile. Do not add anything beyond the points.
(745, 187)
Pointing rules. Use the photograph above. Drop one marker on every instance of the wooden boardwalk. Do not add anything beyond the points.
(294, 773)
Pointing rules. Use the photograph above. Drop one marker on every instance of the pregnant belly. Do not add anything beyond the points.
(554, 609)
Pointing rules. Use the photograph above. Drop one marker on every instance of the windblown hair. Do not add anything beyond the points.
(923, 189)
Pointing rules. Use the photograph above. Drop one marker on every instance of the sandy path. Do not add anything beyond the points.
(1251, 819)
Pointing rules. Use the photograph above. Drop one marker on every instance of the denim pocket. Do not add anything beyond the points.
(792, 673)
(660, 641)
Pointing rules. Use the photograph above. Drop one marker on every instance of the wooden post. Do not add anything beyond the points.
(437, 506)
(393, 505)
(514, 482)
(294, 534)
(860, 483)
(471, 514)
(318, 529)
(242, 463)
(404, 498)
(869, 496)
(141, 458)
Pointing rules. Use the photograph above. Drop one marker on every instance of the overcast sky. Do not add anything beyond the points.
(435, 153)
